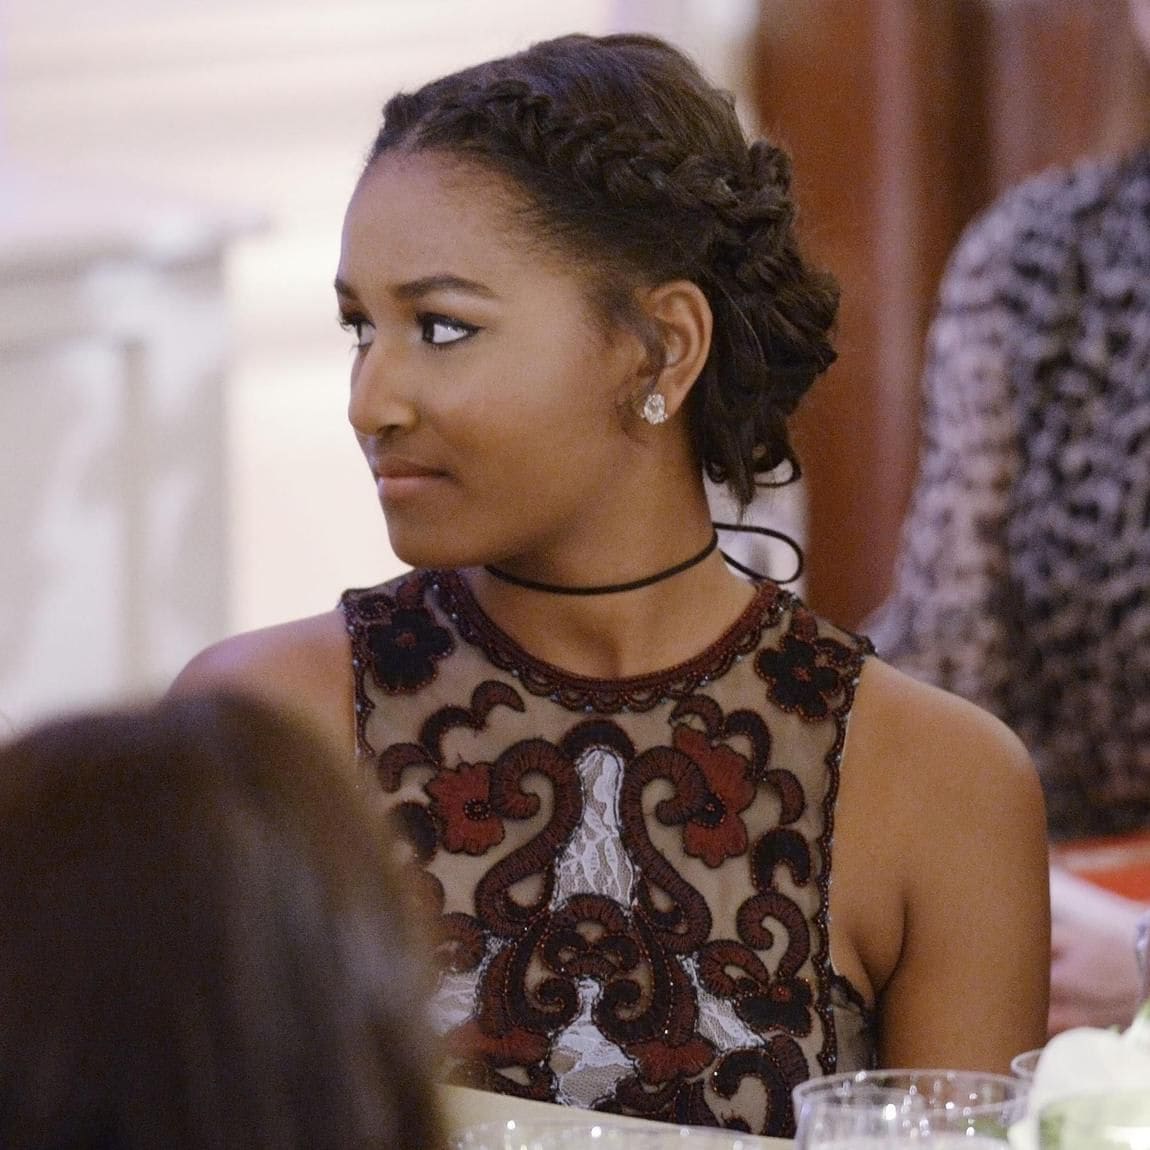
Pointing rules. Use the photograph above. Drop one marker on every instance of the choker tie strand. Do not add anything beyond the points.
(770, 533)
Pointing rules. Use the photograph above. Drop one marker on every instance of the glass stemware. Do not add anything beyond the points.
(870, 1110)
(1023, 1065)
(1142, 953)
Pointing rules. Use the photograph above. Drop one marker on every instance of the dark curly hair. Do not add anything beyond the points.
(634, 166)
(204, 941)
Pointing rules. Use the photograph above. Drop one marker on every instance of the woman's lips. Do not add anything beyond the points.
(403, 478)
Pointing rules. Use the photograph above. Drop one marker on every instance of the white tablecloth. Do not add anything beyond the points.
(464, 1107)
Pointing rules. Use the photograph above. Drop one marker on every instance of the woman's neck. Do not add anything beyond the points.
(620, 635)
(618, 587)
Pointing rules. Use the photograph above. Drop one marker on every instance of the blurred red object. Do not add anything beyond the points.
(1119, 863)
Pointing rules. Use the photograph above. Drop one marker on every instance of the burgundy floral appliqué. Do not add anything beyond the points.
(660, 1061)
(405, 649)
(716, 832)
(460, 803)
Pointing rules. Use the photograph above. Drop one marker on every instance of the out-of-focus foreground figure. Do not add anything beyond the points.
(201, 947)
(1023, 581)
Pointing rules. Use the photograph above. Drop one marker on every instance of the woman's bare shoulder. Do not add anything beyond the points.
(910, 726)
(941, 799)
(926, 779)
(303, 667)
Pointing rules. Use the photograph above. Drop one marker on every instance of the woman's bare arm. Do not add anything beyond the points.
(941, 806)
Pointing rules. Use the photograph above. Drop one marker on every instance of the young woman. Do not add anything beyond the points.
(621, 769)
(203, 942)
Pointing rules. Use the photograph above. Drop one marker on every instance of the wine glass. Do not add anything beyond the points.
(1024, 1065)
(870, 1109)
(1142, 953)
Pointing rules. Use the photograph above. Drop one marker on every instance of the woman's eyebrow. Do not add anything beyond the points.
(425, 285)
(442, 281)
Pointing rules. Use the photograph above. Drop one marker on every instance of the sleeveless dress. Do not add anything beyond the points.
(630, 878)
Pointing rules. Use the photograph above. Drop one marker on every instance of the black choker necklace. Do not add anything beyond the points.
(607, 588)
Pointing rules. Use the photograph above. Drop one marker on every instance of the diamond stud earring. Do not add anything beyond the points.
(654, 409)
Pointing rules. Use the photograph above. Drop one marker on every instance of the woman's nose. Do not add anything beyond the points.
(379, 401)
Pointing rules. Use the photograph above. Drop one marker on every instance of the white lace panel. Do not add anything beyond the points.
(594, 861)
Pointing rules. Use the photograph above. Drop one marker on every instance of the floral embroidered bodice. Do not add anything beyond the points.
(631, 876)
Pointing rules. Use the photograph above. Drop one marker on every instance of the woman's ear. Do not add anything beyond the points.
(679, 317)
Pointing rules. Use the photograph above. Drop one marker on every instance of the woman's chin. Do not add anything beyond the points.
(419, 551)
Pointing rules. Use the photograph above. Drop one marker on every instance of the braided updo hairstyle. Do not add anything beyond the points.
(636, 169)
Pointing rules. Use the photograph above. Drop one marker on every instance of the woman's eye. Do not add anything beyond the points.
(439, 330)
(363, 331)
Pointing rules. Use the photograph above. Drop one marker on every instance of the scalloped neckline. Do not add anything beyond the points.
(542, 677)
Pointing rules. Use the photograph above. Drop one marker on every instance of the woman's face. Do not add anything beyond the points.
(484, 393)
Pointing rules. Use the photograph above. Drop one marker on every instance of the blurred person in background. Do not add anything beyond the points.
(1023, 581)
(202, 944)
(574, 290)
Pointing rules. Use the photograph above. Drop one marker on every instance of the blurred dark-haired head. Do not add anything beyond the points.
(202, 945)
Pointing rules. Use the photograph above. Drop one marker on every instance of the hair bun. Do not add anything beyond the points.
(770, 165)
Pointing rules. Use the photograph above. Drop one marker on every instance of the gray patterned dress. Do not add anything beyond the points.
(1024, 576)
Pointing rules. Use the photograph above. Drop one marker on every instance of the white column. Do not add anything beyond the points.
(113, 350)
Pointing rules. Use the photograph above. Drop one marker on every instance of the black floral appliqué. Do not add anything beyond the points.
(804, 675)
(405, 649)
(784, 1004)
